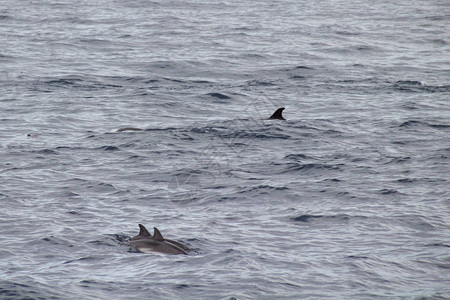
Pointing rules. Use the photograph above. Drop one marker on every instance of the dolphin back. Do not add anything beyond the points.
(147, 243)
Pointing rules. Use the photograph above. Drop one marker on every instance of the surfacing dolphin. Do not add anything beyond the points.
(278, 114)
(147, 243)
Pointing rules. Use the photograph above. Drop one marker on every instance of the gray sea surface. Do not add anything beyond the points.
(346, 199)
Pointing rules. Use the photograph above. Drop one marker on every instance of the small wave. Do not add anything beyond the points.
(264, 189)
(63, 81)
(95, 187)
(239, 133)
(255, 135)
(297, 77)
(84, 259)
(388, 191)
(219, 95)
(438, 245)
(336, 180)
(439, 126)
(442, 17)
(14, 290)
(406, 180)
(298, 73)
(57, 241)
(96, 42)
(311, 166)
(151, 81)
(176, 80)
(305, 218)
(303, 67)
(120, 239)
(411, 123)
(296, 157)
(417, 86)
(75, 82)
(46, 152)
(346, 33)
(399, 160)
(161, 129)
(259, 83)
(409, 82)
(440, 42)
(183, 286)
(364, 48)
(108, 148)
(358, 256)
(296, 68)
(308, 218)
(106, 242)
(416, 222)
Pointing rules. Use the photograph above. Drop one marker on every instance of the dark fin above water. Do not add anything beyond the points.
(145, 242)
(157, 236)
(143, 231)
(278, 114)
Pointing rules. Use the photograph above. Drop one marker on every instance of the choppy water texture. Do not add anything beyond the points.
(348, 198)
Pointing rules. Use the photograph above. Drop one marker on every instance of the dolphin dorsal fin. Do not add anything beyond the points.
(278, 114)
(143, 231)
(157, 235)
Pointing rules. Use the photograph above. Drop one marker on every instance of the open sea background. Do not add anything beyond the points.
(347, 199)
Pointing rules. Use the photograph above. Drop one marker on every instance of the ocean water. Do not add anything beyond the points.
(346, 199)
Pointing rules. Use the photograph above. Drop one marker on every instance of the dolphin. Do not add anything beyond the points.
(278, 114)
(147, 243)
